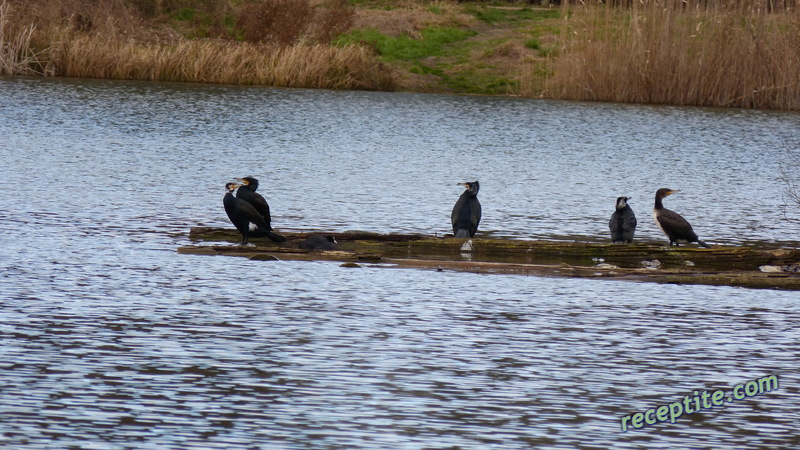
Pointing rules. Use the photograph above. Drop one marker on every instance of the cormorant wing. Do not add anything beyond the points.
(629, 224)
(475, 206)
(258, 202)
(457, 211)
(249, 212)
(675, 225)
(613, 223)
(261, 205)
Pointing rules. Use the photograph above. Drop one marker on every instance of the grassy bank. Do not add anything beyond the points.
(730, 53)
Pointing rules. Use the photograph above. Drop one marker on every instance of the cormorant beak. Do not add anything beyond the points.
(672, 192)
(466, 185)
(244, 182)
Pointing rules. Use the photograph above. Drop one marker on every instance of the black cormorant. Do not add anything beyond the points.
(467, 211)
(319, 242)
(623, 222)
(247, 192)
(242, 214)
(677, 229)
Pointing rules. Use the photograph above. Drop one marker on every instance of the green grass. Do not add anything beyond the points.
(473, 83)
(491, 15)
(533, 44)
(405, 48)
(183, 15)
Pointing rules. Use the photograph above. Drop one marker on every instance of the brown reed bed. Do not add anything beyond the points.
(734, 53)
(16, 55)
(105, 40)
(222, 62)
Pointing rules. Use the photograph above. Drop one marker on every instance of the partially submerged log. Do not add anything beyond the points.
(722, 265)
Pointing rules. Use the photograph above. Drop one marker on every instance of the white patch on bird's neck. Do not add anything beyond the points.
(621, 203)
(658, 222)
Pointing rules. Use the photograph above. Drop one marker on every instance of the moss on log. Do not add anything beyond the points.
(721, 265)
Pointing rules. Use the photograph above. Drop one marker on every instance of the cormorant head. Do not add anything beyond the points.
(472, 187)
(230, 187)
(664, 192)
(622, 202)
(250, 182)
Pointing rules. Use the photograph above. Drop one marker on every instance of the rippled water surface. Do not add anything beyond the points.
(110, 339)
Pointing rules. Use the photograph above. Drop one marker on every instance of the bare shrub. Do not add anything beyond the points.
(410, 17)
(280, 21)
(331, 20)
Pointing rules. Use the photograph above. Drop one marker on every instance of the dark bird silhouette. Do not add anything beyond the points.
(247, 192)
(677, 229)
(242, 214)
(318, 242)
(467, 211)
(623, 222)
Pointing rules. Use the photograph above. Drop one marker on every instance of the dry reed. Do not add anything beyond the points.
(735, 53)
(16, 55)
(216, 61)
(91, 43)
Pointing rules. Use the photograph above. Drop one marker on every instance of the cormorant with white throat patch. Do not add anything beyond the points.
(242, 214)
(247, 192)
(466, 213)
(677, 229)
(623, 222)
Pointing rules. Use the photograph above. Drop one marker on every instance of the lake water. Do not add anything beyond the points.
(111, 339)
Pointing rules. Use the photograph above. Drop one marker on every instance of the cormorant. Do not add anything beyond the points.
(242, 214)
(671, 223)
(623, 222)
(247, 192)
(319, 242)
(467, 211)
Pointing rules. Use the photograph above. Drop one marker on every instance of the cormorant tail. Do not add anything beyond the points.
(462, 233)
(263, 232)
(703, 244)
(275, 237)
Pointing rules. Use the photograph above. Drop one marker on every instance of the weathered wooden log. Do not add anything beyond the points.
(721, 265)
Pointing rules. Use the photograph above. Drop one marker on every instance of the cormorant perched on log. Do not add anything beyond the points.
(242, 214)
(623, 222)
(247, 192)
(677, 229)
(319, 242)
(467, 211)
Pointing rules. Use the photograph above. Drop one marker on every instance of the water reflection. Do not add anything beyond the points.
(110, 339)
